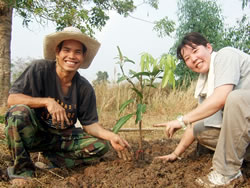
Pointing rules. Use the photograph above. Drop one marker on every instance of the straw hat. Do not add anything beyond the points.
(51, 41)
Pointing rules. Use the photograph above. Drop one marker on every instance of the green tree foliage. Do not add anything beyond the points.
(87, 15)
(203, 16)
(239, 36)
(153, 3)
(102, 77)
(164, 27)
(244, 3)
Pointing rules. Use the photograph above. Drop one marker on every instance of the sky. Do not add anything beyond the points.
(132, 36)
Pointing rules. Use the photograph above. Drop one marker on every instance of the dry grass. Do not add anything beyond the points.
(162, 104)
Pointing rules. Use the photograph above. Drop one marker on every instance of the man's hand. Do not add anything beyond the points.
(119, 144)
(171, 127)
(170, 157)
(122, 147)
(125, 154)
(57, 113)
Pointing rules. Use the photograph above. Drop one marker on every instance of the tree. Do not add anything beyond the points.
(238, 36)
(203, 16)
(102, 77)
(87, 15)
(5, 36)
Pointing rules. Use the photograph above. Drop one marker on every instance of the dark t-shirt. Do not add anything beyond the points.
(40, 80)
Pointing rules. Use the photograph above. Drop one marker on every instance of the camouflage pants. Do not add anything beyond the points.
(64, 148)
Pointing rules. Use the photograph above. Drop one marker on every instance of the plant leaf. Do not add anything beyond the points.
(142, 62)
(125, 104)
(165, 78)
(138, 113)
(138, 93)
(120, 53)
(156, 71)
(143, 108)
(121, 122)
(121, 79)
(132, 73)
(141, 74)
(128, 60)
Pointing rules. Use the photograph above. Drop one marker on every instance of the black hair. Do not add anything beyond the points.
(191, 39)
(84, 48)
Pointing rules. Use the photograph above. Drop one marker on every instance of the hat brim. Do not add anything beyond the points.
(51, 42)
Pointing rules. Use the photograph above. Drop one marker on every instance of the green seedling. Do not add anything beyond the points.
(152, 70)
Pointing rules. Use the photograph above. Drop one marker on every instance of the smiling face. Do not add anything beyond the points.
(70, 56)
(197, 57)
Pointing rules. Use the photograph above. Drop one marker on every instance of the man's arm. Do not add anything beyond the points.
(116, 141)
(186, 140)
(32, 102)
(57, 112)
(210, 105)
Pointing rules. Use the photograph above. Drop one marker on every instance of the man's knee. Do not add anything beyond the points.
(93, 147)
(18, 115)
(102, 146)
(206, 136)
(19, 123)
(234, 99)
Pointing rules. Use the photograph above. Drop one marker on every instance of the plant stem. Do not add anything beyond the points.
(127, 78)
(140, 132)
(140, 151)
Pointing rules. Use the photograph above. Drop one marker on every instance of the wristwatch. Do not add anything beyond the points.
(180, 119)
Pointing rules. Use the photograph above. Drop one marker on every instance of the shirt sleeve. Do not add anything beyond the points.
(226, 68)
(29, 82)
(87, 112)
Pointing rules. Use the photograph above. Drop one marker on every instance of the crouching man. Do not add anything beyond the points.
(46, 102)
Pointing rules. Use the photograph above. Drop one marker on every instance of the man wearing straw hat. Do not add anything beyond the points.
(46, 102)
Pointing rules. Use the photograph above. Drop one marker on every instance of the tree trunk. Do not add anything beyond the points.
(5, 39)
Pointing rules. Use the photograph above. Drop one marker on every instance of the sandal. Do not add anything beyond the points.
(10, 172)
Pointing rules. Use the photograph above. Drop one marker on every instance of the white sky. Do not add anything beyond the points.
(132, 36)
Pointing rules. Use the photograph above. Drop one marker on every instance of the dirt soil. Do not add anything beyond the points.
(111, 171)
